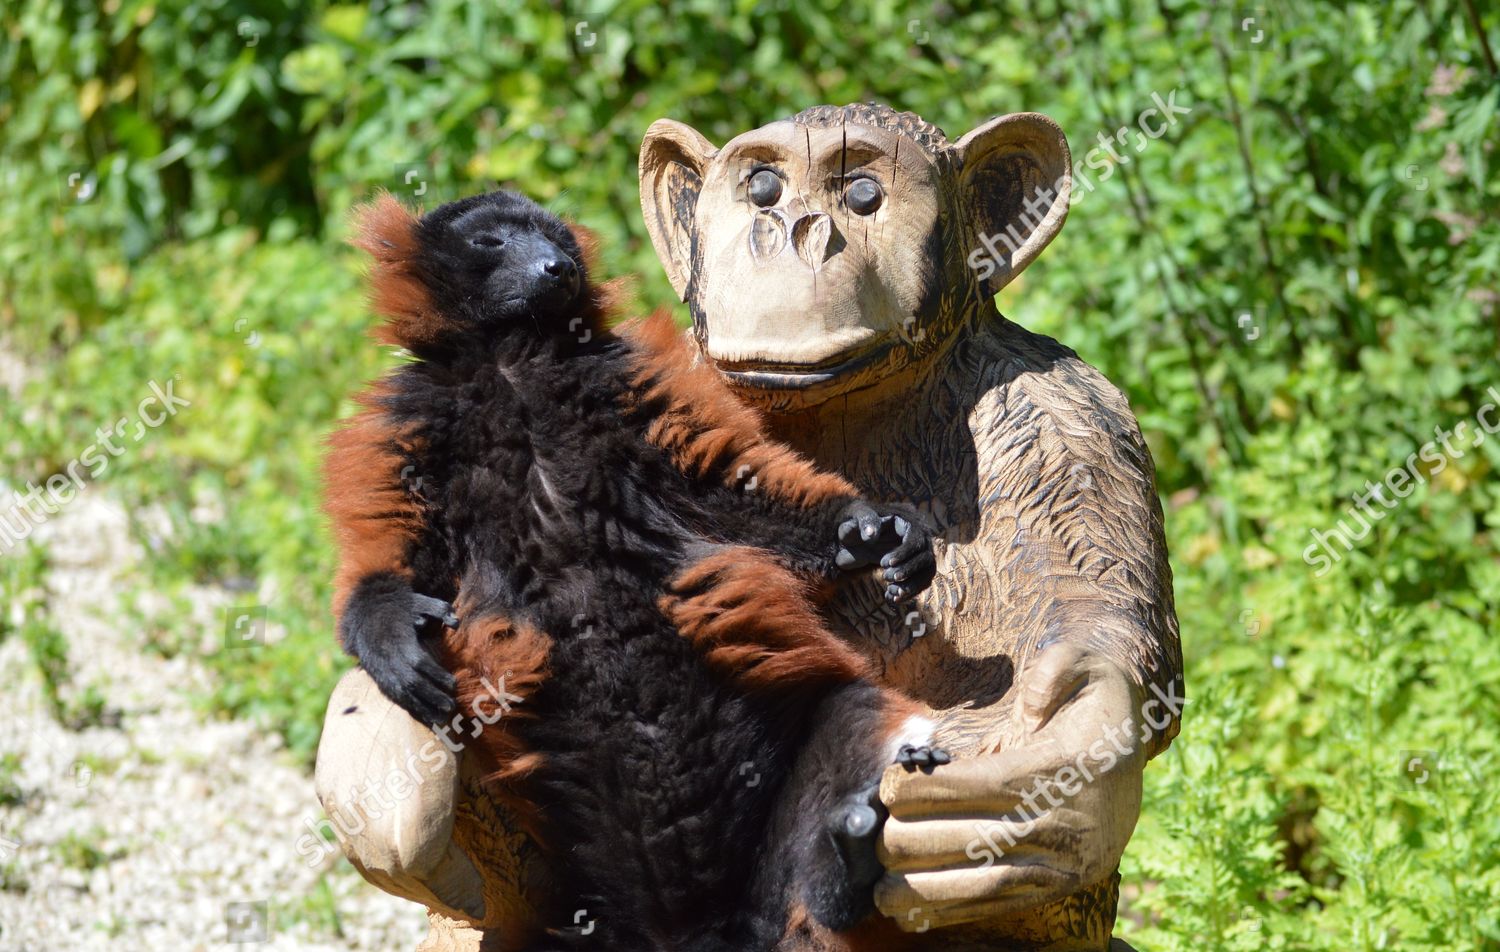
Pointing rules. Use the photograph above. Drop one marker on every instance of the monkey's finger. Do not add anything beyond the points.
(434, 705)
(930, 900)
(911, 544)
(900, 592)
(894, 560)
(917, 569)
(423, 668)
(910, 565)
(988, 785)
(848, 530)
(428, 609)
(423, 699)
(857, 533)
(425, 712)
(924, 757)
(429, 605)
(978, 842)
(854, 827)
(907, 579)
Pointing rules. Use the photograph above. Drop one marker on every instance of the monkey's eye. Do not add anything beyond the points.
(863, 196)
(764, 188)
(488, 241)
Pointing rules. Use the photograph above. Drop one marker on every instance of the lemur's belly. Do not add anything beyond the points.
(658, 777)
(656, 770)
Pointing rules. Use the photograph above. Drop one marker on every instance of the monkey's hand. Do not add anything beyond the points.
(1043, 816)
(383, 626)
(894, 537)
(845, 896)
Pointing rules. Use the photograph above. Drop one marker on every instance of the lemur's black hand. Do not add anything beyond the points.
(407, 672)
(894, 537)
(383, 627)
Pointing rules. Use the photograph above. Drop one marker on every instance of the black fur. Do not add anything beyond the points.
(664, 789)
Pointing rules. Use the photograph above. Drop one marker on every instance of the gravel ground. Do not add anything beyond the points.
(151, 831)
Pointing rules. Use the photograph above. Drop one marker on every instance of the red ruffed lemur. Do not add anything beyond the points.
(587, 516)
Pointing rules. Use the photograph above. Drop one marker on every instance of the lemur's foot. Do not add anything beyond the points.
(923, 758)
(855, 825)
(894, 537)
(910, 567)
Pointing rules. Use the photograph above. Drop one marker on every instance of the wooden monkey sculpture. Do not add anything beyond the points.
(840, 267)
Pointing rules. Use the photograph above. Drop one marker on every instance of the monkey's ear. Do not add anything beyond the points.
(673, 157)
(1016, 176)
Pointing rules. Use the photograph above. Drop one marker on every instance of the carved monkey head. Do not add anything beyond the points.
(823, 252)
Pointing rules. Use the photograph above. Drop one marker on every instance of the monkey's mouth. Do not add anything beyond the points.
(774, 375)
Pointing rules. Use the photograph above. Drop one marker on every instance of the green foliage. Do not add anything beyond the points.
(22, 585)
(1294, 284)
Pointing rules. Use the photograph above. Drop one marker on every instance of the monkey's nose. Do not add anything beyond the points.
(768, 233)
(810, 235)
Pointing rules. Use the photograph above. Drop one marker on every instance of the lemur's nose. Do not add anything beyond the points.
(561, 270)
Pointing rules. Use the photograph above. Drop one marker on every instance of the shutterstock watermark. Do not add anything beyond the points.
(1114, 148)
(17, 523)
(381, 795)
(1151, 124)
(1401, 482)
(1156, 715)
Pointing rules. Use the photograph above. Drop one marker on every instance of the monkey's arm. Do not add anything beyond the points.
(377, 526)
(1100, 581)
(1096, 692)
(760, 492)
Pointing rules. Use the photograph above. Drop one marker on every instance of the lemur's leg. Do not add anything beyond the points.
(829, 815)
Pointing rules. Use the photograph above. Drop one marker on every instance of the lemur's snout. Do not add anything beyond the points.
(559, 271)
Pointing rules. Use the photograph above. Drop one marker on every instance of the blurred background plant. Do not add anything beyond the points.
(1295, 286)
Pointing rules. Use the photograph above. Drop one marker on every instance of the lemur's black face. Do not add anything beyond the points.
(502, 261)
